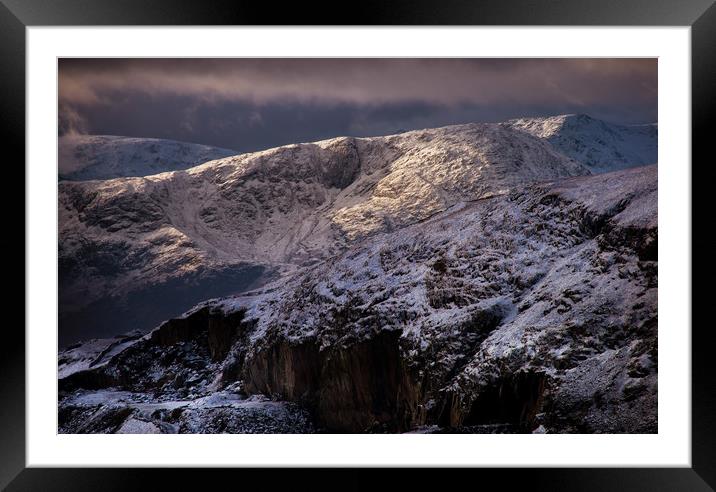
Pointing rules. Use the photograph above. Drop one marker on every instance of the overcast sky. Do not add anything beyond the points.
(252, 104)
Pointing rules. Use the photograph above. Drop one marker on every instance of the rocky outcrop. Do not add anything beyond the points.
(221, 330)
(514, 400)
(362, 387)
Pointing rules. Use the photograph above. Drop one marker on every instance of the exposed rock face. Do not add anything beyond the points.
(532, 308)
(365, 386)
(514, 400)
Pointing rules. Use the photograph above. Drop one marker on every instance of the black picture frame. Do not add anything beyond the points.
(16, 15)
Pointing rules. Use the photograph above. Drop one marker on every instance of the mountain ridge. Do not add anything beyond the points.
(244, 219)
(601, 146)
(97, 157)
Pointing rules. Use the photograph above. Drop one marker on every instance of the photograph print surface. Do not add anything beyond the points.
(357, 245)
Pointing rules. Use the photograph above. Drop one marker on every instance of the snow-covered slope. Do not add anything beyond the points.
(599, 145)
(227, 223)
(92, 353)
(84, 157)
(531, 310)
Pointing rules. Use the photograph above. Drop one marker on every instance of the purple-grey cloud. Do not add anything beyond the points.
(363, 81)
(249, 104)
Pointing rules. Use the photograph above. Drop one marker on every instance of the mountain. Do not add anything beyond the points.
(595, 143)
(85, 157)
(526, 307)
(135, 251)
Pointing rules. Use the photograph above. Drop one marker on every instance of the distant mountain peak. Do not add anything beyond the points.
(88, 157)
(600, 145)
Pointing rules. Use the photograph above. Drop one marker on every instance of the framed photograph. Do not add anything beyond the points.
(443, 236)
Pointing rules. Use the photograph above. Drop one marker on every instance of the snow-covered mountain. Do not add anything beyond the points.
(595, 143)
(134, 251)
(84, 157)
(533, 310)
(471, 278)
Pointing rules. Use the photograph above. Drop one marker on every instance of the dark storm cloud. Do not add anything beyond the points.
(249, 104)
(70, 121)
